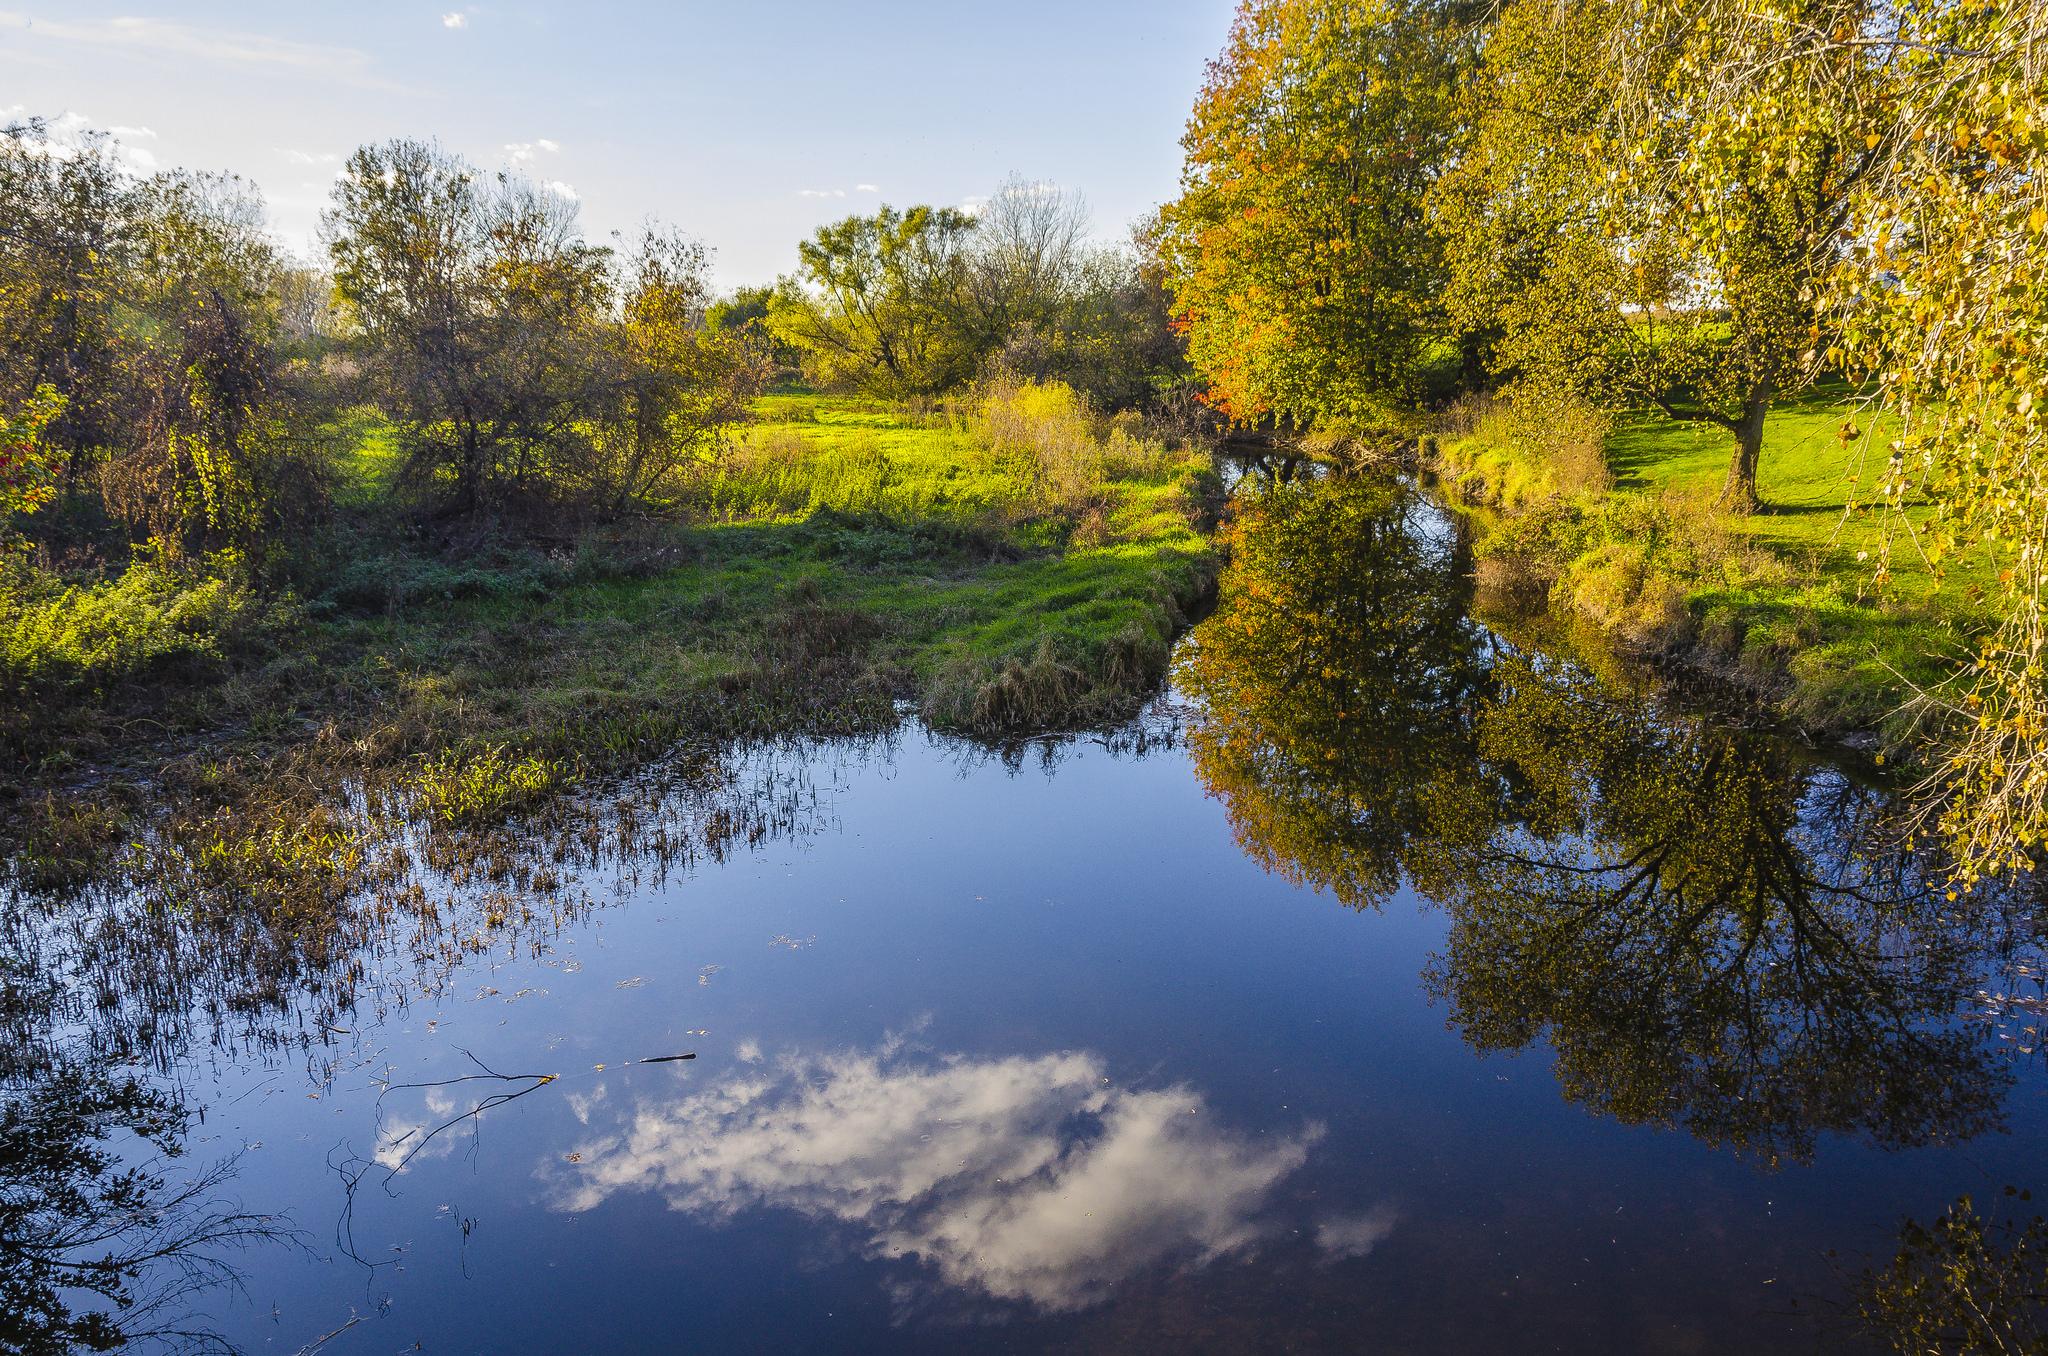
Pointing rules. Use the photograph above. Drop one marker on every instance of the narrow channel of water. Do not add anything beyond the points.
(1385, 987)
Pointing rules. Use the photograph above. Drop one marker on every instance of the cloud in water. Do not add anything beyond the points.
(1029, 1179)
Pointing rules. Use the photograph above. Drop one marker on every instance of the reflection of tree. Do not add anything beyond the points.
(1964, 1284)
(1705, 932)
(99, 1249)
(1337, 678)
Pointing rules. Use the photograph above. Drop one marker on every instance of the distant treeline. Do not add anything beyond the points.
(169, 375)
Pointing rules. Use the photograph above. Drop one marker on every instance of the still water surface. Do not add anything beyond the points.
(1284, 1021)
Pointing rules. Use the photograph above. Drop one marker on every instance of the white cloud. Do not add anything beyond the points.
(170, 38)
(562, 190)
(134, 133)
(821, 193)
(523, 152)
(455, 19)
(310, 157)
(1344, 1236)
(1018, 1179)
(866, 188)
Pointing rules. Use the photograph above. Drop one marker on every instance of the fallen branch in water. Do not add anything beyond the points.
(345, 1234)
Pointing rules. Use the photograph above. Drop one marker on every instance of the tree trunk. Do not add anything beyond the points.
(1739, 494)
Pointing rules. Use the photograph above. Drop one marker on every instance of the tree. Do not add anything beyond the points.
(1299, 257)
(210, 454)
(876, 302)
(744, 314)
(675, 381)
(476, 304)
(1934, 293)
(1023, 263)
(66, 235)
(1635, 240)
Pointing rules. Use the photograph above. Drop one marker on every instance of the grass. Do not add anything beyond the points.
(1011, 565)
(1784, 601)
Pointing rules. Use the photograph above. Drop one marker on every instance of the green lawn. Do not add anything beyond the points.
(1837, 647)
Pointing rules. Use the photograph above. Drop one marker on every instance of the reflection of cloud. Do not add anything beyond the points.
(1022, 1178)
(1354, 1235)
(403, 1137)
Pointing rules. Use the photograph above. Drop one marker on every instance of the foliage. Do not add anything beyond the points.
(1921, 129)
(1524, 446)
(1299, 259)
(920, 303)
(873, 304)
(150, 309)
(1963, 1284)
(56, 637)
(28, 465)
(485, 787)
(1624, 237)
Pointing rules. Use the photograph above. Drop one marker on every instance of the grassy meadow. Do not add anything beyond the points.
(1009, 564)
(1616, 521)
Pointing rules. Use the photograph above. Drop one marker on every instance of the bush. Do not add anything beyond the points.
(56, 637)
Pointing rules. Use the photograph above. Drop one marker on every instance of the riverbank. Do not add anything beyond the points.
(1614, 525)
(1008, 566)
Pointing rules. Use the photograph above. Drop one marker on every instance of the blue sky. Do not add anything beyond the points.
(746, 124)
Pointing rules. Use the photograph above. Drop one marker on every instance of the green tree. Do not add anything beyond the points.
(1626, 239)
(876, 303)
(1300, 260)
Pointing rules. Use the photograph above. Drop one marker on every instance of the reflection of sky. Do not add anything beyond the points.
(1019, 1178)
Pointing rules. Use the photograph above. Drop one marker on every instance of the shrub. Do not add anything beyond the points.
(56, 636)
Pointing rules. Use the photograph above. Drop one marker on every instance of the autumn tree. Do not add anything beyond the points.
(673, 382)
(1626, 239)
(1934, 295)
(67, 224)
(1301, 263)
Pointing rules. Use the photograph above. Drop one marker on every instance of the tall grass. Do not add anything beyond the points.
(1523, 446)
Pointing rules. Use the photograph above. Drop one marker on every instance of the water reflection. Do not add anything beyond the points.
(104, 1245)
(1339, 678)
(1028, 1178)
(1707, 932)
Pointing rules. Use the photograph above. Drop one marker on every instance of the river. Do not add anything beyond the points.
(1388, 985)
